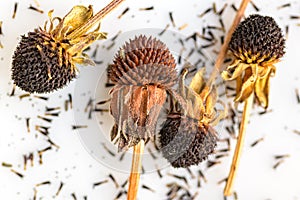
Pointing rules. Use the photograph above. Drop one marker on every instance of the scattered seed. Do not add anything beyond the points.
(17, 173)
(278, 163)
(222, 9)
(254, 6)
(74, 127)
(59, 188)
(281, 156)
(52, 109)
(296, 131)
(183, 178)
(294, 17)
(124, 184)
(221, 181)
(202, 176)
(114, 180)
(52, 143)
(74, 196)
(26, 158)
(35, 9)
(4, 164)
(205, 12)
(152, 154)
(284, 6)
(43, 183)
(41, 97)
(183, 26)
(158, 171)
(40, 153)
(148, 8)
(52, 114)
(1, 33)
(24, 95)
(163, 31)
(256, 142)
(119, 195)
(297, 95)
(15, 10)
(27, 124)
(172, 19)
(99, 183)
(123, 13)
(108, 150)
(233, 7)
(45, 119)
(70, 100)
(147, 188)
(212, 163)
(116, 36)
(122, 156)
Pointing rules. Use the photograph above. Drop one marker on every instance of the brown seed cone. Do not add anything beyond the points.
(143, 71)
(185, 142)
(35, 59)
(257, 39)
(141, 52)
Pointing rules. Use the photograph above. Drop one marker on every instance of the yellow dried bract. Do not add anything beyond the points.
(251, 78)
(64, 31)
(201, 100)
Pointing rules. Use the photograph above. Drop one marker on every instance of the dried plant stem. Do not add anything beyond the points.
(136, 166)
(239, 145)
(224, 48)
(96, 18)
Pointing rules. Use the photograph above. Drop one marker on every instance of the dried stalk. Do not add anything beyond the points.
(136, 166)
(96, 18)
(239, 145)
(224, 48)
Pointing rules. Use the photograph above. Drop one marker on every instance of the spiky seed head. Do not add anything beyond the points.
(143, 60)
(258, 39)
(38, 66)
(185, 142)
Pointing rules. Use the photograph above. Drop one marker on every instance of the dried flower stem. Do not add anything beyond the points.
(224, 48)
(96, 18)
(136, 166)
(239, 145)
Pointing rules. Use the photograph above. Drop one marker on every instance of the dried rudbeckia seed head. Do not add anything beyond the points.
(35, 66)
(257, 45)
(187, 136)
(143, 70)
(137, 56)
(45, 59)
(184, 142)
(258, 39)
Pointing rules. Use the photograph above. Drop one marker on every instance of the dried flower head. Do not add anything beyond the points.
(45, 59)
(143, 71)
(187, 136)
(257, 44)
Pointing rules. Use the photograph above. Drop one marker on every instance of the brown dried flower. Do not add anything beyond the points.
(257, 44)
(187, 137)
(143, 71)
(45, 59)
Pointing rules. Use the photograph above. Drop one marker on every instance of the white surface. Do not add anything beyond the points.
(74, 166)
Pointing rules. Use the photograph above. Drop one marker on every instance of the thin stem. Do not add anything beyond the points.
(239, 146)
(224, 48)
(95, 19)
(136, 166)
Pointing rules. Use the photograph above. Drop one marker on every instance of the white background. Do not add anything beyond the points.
(73, 165)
